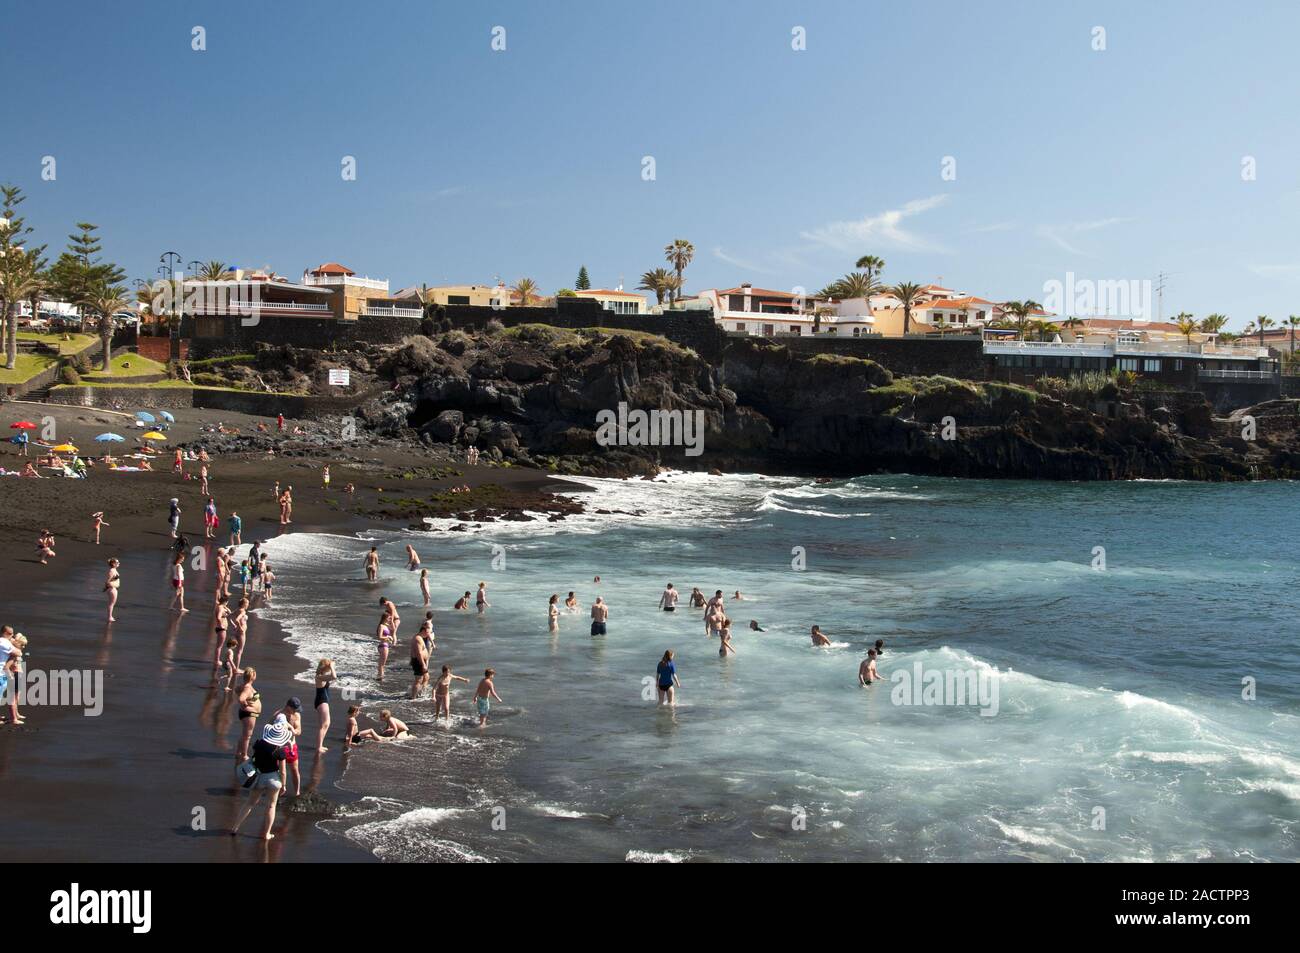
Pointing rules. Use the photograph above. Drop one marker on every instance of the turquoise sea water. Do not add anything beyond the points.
(1120, 731)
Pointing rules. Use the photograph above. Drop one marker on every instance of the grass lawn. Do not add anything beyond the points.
(78, 342)
(118, 369)
(27, 365)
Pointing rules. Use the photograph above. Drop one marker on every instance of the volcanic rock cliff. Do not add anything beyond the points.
(531, 395)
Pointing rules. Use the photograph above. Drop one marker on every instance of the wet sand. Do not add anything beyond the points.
(151, 778)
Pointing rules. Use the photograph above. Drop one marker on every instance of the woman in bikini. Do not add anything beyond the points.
(553, 612)
(442, 692)
(325, 674)
(250, 707)
(386, 641)
(726, 645)
(220, 617)
(239, 629)
(178, 582)
(111, 585)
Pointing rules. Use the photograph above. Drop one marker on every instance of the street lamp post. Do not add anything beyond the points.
(170, 260)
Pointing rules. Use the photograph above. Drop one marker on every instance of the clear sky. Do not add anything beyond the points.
(782, 166)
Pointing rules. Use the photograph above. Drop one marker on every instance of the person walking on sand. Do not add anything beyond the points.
(236, 526)
(250, 709)
(372, 564)
(268, 755)
(599, 616)
(668, 600)
(484, 694)
(98, 517)
(412, 558)
(178, 584)
(442, 693)
(424, 585)
(818, 639)
(228, 663)
(480, 600)
(325, 674)
(45, 547)
(325, 477)
(11, 667)
(174, 517)
(210, 519)
(292, 712)
(178, 461)
(666, 680)
(111, 584)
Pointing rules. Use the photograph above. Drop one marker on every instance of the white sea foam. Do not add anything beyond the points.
(662, 857)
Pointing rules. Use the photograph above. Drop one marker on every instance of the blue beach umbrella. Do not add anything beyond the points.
(146, 417)
(166, 416)
(109, 438)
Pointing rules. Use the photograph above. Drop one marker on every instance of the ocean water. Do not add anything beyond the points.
(1113, 726)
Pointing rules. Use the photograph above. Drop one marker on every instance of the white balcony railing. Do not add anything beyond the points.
(380, 311)
(1235, 375)
(248, 307)
(1107, 348)
(374, 284)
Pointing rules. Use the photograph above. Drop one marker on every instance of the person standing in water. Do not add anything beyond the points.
(553, 612)
(111, 585)
(462, 604)
(697, 598)
(725, 646)
(412, 558)
(325, 674)
(419, 663)
(571, 602)
(599, 616)
(484, 694)
(668, 600)
(424, 585)
(384, 634)
(442, 692)
(818, 639)
(867, 670)
(372, 564)
(667, 680)
(480, 600)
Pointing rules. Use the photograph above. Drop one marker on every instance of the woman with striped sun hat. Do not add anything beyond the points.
(267, 758)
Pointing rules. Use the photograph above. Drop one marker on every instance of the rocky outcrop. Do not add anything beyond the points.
(534, 395)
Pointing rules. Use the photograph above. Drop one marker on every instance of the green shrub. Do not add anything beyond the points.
(68, 375)
(494, 326)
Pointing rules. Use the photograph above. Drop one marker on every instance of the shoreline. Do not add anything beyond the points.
(158, 759)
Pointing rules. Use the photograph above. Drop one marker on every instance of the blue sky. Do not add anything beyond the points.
(781, 166)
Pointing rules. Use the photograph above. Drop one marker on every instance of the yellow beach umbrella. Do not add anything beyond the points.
(65, 448)
(154, 435)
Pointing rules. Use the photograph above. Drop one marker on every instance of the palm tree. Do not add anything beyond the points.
(20, 279)
(856, 284)
(873, 265)
(1186, 325)
(661, 281)
(526, 288)
(1264, 322)
(106, 302)
(214, 271)
(1020, 311)
(908, 294)
(679, 253)
(1294, 321)
(1213, 323)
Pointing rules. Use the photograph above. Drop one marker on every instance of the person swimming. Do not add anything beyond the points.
(818, 639)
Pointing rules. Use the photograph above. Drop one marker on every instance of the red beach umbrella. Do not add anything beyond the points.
(23, 425)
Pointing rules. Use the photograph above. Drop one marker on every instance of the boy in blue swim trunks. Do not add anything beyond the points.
(484, 694)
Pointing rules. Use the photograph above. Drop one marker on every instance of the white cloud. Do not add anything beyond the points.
(995, 227)
(1284, 272)
(721, 255)
(883, 231)
(1057, 233)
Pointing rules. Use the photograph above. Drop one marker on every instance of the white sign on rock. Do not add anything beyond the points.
(340, 376)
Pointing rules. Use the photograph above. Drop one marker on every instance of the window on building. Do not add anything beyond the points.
(857, 332)
(796, 329)
(1127, 363)
(1178, 365)
(769, 329)
(740, 325)
(458, 299)
(1151, 365)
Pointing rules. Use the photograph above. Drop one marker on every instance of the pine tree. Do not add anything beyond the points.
(583, 283)
(78, 273)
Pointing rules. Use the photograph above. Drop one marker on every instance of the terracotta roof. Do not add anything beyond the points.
(332, 268)
(965, 302)
(1128, 324)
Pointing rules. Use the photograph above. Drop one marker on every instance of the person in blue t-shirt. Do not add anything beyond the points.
(668, 681)
(236, 527)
